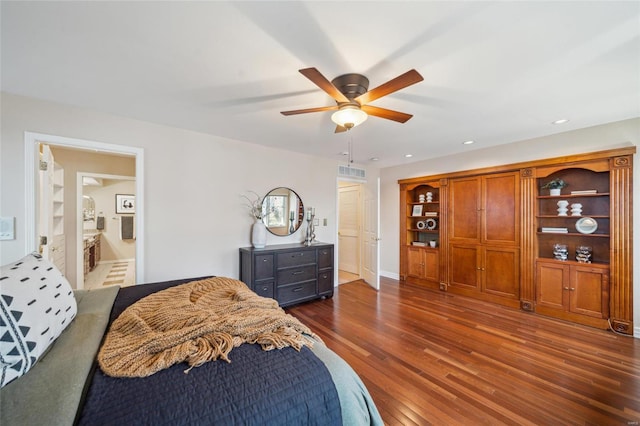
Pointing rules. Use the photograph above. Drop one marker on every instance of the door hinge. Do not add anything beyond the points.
(43, 166)
(43, 240)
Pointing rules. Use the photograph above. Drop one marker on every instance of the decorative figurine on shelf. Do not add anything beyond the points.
(311, 234)
(576, 209)
(429, 197)
(562, 207)
(583, 254)
(555, 186)
(560, 251)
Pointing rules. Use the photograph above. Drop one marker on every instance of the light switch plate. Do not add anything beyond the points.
(7, 228)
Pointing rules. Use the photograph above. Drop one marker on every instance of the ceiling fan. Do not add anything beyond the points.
(350, 91)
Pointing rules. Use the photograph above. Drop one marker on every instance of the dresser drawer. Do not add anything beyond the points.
(264, 289)
(296, 292)
(264, 266)
(295, 258)
(325, 258)
(294, 275)
(325, 281)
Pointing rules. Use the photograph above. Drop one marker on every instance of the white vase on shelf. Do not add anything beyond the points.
(562, 207)
(555, 191)
(259, 234)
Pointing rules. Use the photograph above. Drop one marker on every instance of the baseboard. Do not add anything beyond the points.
(391, 275)
(636, 332)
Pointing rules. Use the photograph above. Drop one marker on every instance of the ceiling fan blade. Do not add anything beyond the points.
(407, 79)
(304, 111)
(400, 117)
(321, 81)
(340, 129)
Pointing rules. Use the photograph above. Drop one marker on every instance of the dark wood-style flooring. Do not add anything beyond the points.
(430, 357)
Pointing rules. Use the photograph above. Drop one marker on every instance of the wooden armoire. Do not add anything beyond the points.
(496, 234)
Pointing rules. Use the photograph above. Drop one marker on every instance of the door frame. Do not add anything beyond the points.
(32, 142)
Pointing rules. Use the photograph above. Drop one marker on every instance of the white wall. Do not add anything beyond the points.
(195, 219)
(598, 138)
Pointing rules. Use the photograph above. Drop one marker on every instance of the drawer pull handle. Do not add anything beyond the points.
(298, 254)
(264, 260)
(297, 289)
(297, 272)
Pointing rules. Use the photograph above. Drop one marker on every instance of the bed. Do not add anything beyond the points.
(65, 385)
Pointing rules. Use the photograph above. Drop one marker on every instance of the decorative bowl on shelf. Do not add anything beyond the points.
(586, 225)
(430, 224)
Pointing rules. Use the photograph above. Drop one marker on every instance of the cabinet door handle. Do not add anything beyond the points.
(297, 289)
(566, 288)
(264, 260)
(573, 289)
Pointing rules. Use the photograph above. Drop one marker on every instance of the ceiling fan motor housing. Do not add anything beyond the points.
(351, 85)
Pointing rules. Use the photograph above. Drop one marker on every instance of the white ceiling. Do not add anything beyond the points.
(494, 72)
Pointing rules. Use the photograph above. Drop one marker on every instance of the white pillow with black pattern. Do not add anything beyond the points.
(36, 305)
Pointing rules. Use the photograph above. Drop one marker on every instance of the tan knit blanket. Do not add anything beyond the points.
(195, 322)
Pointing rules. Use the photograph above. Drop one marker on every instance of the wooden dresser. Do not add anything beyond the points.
(289, 273)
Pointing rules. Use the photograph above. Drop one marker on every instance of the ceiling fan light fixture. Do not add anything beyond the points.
(349, 116)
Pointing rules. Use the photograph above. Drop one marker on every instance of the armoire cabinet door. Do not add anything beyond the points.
(589, 291)
(464, 210)
(465, 266)
(552, 278)
(415, 263)
(500, 209)
(501, 271)
(485, 209)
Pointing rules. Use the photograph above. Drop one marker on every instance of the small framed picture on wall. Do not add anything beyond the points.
(125, 204)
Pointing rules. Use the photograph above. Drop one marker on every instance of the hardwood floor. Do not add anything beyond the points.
(429, 357)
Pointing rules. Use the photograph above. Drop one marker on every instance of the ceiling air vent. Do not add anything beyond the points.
(351, 172)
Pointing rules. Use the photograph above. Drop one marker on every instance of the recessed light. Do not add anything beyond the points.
(408, 155)
(344, 153)
(374, 159)
(467, 142)
(561, 121)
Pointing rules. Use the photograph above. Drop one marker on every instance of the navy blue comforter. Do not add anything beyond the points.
(279, 387)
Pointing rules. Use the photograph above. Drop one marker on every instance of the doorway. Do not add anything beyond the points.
(358, 224)
(349, 230)
(33, 142)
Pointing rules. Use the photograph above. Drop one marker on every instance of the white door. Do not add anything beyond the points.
(349, 229)
(371, 233)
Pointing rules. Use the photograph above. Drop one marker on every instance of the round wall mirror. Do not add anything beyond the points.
(282, 211)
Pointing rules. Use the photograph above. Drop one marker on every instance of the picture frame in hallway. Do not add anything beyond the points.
(125, 203)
